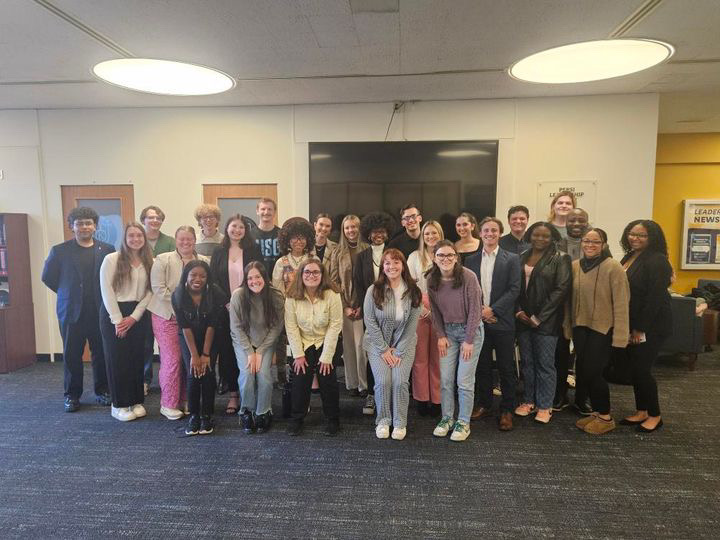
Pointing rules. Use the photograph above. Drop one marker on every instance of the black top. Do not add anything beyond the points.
(320, 251)
(649, 278)
(464, 255)
(267, 242)
(405, 243)
(512, 244)
(209, 314)
(363, 276)
(219, 266)
(84, 259)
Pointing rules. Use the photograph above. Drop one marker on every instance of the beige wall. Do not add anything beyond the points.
(167, 154)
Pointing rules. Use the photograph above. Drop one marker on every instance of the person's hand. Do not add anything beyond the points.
(395, 360)
(349, 312)
(258, 362)
(491, 320)
(523, 317)
(300, 365)
(466, 350)
(487, 313)
(388, 357)
(199, 365)
(424, 312)
(325, 368)
(636, 336)
(443, 345)
(358, 313)
(124, 326)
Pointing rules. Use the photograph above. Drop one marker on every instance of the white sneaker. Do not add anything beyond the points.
(124, 414)
(138, 410)
(382, 431)
(399, 433)
(369, 408)
(443, 426)
(171, 414)
(461, 431)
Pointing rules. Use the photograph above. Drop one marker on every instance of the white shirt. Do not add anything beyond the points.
(417, 270)
(398, 292)
(134, 290)
(377, 252)
(487, 266)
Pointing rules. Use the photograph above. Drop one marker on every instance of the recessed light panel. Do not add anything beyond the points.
(591, 61)
(163, 77)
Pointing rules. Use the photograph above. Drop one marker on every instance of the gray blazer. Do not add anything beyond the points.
(383, 331)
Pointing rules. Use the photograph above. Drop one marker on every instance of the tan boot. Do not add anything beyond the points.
(599, 426)
(585, 420)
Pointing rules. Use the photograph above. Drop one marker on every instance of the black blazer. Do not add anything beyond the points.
(219, 265)
(63, 277)
(363, 276)
(545, 294)
(649, 277)
(505, 287)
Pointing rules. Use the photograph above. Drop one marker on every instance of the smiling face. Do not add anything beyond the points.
(378, 237)
(134, 238)
(490, 234)
(464, 227)
(351, 230)
(185, 243)
(638, 238)
(298, 244)
(255, 281)
(431, 236)
(592, 244)
(266, 213)
(323, 226)
(236, 230)
(392, 267)
(312, 276)
(563, 206)
(518, 222)
(197, 279)
(152, 221)
(446, 258)
(411, 220)
(540, 238)
(577, 223)
(209, 224)
(83, 229)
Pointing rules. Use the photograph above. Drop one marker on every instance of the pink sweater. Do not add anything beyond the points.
(461, 305)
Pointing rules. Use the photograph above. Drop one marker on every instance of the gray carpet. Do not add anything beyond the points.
(87, 475)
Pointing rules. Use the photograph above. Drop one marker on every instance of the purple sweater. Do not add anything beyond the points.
(461, 305)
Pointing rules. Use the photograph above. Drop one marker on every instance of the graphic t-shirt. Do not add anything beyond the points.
(267, 241)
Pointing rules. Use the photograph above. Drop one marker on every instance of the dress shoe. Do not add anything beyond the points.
(628, 422)
(560, 403)
(642, 429)
(332, 427)
(104, 399)
(71, 404)
(295, 428)
(505, 422)
(583, 408)
(480, 412)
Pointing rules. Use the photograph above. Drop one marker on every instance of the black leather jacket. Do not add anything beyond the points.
(545, 295)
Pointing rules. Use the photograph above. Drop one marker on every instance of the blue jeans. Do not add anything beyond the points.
(255, 388)
(537, 354)
(455, 370)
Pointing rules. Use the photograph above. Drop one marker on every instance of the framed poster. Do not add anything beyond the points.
(584, 190)
(701, 235)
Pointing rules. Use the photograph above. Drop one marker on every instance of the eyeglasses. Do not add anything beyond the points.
(637, 235)
(83, 223)
(591, 242)
(446, 256)
(312, 273)
(413, 217)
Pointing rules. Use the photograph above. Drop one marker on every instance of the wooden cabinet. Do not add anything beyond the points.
(17, 322)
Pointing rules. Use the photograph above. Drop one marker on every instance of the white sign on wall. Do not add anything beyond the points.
(584, 191)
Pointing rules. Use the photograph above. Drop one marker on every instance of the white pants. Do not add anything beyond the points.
(353, 355)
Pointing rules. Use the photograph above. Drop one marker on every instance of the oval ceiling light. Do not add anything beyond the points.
(163, 77)
(591, 61)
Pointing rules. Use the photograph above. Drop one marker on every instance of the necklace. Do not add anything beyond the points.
(294, 261)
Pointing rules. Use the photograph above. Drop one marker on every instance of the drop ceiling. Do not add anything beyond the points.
(347, 51)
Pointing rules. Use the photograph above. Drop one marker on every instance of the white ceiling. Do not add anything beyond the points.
(342, 51)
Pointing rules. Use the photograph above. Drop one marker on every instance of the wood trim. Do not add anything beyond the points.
(124, 192)
(213, 192)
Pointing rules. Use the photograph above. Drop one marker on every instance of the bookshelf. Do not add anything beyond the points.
(17, 323)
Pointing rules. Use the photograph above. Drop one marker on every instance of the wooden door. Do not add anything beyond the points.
(114, 203)
(239, 198)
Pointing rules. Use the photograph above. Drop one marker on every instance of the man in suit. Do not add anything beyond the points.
(72, 270)
(499, 274)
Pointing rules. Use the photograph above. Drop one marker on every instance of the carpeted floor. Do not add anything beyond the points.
(89, 476)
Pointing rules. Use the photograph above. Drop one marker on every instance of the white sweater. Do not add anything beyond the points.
(135, 290)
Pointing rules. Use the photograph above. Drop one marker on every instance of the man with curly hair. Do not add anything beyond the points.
(376, 228)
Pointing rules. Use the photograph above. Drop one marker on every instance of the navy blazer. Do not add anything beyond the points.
(63, 277)
(505, 287)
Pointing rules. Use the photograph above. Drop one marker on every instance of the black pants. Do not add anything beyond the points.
(200, 391)
(503, 342)
(124, 357)
(592, 355)
(74, 336)
(148, 354)
(562, 367)
(642, 357)
(302, 385)
(227, 362)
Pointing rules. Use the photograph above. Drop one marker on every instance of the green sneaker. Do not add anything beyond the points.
(461, 431)
(443, 426)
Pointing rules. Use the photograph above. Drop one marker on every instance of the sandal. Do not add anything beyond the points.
(232, 410)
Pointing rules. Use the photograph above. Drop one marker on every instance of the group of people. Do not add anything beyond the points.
(407, 309)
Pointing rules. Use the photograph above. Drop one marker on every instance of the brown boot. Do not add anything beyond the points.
(505, 423)
(480, 412)
(599, 426)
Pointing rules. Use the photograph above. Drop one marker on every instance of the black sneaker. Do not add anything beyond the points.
(193, 426)
(247, 422)
(332, 427)
(104, 399)
(71, 404)
(207, 426)
(263, 422)
(560, 403)
(295, 428)
(583, 408)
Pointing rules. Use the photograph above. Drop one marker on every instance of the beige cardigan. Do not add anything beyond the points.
(601, 300)
(164, 278)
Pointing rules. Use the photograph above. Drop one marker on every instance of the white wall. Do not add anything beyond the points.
(167, 154)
